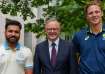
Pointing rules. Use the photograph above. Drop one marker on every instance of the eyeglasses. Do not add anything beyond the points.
(52, 29)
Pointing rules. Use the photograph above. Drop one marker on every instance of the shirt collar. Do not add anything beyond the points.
(56, 42)
(5, 45)
(89, 30)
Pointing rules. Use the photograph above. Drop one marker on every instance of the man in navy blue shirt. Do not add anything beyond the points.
(90, 42)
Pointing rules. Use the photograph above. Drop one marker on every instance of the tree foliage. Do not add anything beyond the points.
(69, 12)
(16, 7)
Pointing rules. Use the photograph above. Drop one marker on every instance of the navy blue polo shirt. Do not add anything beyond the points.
(92, 51)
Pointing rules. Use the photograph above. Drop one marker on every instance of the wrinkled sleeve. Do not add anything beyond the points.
(37, 65)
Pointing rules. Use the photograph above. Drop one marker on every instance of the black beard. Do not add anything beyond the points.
(12, 40)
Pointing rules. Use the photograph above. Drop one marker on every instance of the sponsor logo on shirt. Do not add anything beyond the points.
(103, 36)
(20, 58)
(87, 37)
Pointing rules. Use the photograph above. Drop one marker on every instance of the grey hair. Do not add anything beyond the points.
(50, 20)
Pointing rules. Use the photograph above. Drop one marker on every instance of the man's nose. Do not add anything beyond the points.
(94, 14)
(13, 33)
(52, 30)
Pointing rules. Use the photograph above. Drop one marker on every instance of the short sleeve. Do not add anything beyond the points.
(29, 59)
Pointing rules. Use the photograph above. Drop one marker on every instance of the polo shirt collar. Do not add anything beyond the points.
(103, 29)
(5, 45)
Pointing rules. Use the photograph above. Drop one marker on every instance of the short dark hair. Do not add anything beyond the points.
(12, 22)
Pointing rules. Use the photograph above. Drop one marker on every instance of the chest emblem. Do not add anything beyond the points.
(87, 37)
(103, 36)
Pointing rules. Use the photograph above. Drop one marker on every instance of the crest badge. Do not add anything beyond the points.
(87, 37)
(103, 36)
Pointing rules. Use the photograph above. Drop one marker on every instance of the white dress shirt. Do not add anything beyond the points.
(50, 46)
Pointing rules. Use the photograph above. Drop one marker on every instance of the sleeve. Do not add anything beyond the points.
(74, 67)
(36, 61)
(75, 42)
(29, 59)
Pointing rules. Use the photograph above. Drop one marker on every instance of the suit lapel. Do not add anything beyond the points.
(47, 51)
(48, 54)
(60, 48)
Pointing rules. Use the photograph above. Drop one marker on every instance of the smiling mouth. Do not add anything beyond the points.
(12, 38)
(95, 19)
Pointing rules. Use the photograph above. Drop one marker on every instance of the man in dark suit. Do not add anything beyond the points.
(54, 55)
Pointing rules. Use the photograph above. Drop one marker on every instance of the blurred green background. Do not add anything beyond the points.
(69, 12)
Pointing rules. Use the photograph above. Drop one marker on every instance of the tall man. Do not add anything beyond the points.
(54, 55)
(90, 42)
(14, 58)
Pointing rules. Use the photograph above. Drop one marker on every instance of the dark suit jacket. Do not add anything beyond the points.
(65, 60)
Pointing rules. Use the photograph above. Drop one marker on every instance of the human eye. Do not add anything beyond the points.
(90, 13)
(97, 11)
